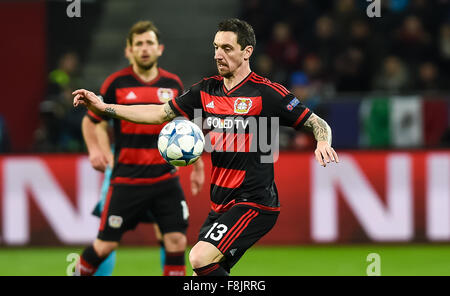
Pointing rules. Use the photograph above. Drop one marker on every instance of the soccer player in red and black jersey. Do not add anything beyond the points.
(141, 179)
(244, 199)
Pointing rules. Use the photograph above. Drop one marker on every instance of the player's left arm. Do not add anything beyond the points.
(322, 132)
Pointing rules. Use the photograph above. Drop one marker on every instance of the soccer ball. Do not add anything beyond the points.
(181, 142)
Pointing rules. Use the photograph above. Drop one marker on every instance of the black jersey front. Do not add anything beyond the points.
(241, 122)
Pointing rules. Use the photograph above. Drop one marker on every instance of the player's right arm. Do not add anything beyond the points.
(322, 132)
(104, 141)
(145, 114)
(98, 159)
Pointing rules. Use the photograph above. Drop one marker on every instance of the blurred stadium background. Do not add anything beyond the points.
(382, 83)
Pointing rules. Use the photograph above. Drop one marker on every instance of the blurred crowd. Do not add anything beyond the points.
(60, 124)
(59, 127)
(323, 49)
(319, 49)
(334, 46)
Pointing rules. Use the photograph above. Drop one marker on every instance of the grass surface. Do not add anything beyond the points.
(261, 260)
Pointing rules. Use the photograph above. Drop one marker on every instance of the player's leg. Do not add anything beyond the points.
(94, 255)
(149, 218)
(104, 248)
(205, 259)
(224, 238)
(162, 250)
(170, 211)
(175, 246)
(107, 266)
(122, 210)
(204, 256)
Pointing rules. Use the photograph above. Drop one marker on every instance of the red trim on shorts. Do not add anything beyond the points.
(237, 231)
(228, 245)
(143, 181)
(105, 209)
(243, 217)
(223, 208)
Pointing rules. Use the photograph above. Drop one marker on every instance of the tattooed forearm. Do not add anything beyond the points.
(320, 129)
(142, 114)
(110, 111)
(169, 114)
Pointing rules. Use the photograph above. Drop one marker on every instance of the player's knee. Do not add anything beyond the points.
(103, 248)
(175, 241)
(199, 257)
(196, 259)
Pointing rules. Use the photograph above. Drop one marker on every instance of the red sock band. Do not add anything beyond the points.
(213, 269)
(84, 269)
(175, 265)
(174, 270)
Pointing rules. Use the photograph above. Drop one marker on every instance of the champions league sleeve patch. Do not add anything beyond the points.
(294, 102)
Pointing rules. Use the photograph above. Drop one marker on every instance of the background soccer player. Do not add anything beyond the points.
(141, 180)
(101, 155)
(244, 198)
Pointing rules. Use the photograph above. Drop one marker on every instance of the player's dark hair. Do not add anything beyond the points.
(244, 32)
(142, 27)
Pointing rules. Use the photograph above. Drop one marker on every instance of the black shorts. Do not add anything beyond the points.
(236, 230)
(126, 206)
(147, 217)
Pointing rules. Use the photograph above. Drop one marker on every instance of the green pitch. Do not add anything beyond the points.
(261, 260)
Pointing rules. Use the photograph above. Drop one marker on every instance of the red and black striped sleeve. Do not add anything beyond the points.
(94, 117)
(186, 104)
(283, 104)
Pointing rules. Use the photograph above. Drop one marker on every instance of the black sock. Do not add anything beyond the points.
(175, 258)
(174, 265)
(89, 262)
(213, 269)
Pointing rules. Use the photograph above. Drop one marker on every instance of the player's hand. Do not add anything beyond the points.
(88, 99)
(197, 178)
(98, 160)
(325, 153)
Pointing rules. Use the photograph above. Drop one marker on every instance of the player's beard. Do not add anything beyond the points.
(224, 74)
(227, 74)
(145, 67)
